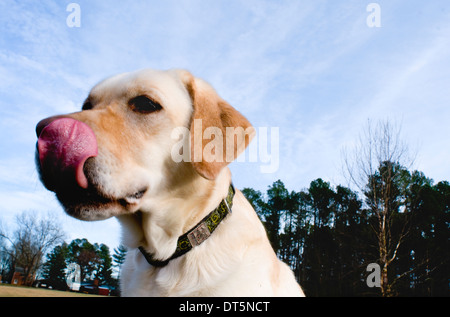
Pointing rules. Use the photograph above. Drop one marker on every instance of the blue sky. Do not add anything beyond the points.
(314, 69)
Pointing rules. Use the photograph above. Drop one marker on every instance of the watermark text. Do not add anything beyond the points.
(214, 144)
(374, 18)
(74, 18)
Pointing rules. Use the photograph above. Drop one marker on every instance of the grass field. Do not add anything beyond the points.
(20, 291)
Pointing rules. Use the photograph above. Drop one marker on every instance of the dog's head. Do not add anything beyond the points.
(138, 135)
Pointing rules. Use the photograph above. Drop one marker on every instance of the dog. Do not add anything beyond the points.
(151, 148)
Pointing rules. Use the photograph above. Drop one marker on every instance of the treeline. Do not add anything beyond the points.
(35, 253)
(95, 261)
(329, 235)
(23, 250)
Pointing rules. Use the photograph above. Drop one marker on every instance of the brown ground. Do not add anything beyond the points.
(20, 291)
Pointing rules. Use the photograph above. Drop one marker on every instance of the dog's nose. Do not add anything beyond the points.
(64, 145)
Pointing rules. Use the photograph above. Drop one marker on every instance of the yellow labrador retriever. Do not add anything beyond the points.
(151, 148)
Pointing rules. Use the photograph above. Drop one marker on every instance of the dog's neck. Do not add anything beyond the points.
(163, 219)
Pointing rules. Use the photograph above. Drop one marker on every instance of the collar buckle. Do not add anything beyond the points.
(199, 234)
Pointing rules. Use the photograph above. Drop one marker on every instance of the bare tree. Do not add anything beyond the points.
(374, 165)
(4, 257)
(31, 240)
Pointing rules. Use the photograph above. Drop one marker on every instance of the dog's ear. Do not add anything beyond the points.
(219, 133)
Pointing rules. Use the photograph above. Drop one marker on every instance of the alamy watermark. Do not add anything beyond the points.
(214, 144)
(374, 18)
(374, 278)
(73, 20)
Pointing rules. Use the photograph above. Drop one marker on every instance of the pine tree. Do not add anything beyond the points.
(55, 268)
(104, 268)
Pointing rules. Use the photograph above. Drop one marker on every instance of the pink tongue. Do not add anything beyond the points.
(65, 145)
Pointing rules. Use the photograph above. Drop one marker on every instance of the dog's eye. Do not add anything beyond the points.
(87, 105)
(144, 105)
